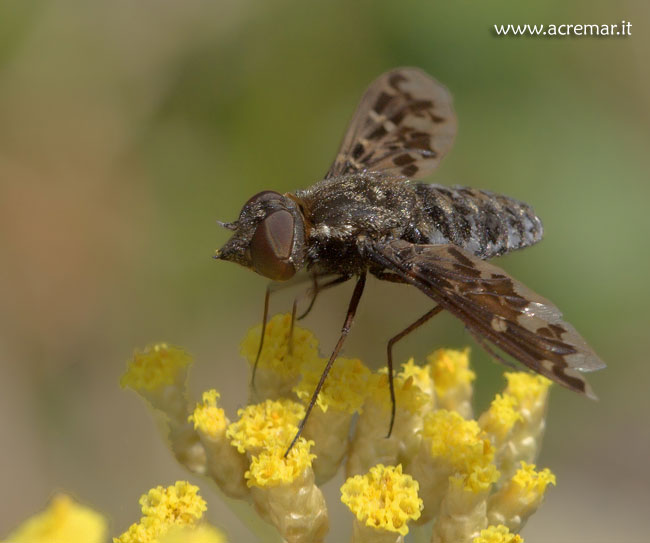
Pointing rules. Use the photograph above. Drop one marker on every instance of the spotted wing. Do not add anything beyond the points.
(403, 125)
(495, 307)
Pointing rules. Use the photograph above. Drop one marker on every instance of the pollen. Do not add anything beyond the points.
(499, 419)
(265, 424)
(479, 479)
(461, 442)
(271, 468)
(157, 366)
(346, 386)
(497, 534)
(384, 498)
(421, 375)
(526, 388)
(207, 417)
(162, 509)
(282, 352)
(412, 390)
(450, 369)
(532, 483)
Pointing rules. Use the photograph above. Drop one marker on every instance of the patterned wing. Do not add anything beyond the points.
(403, 125)
(495, 307)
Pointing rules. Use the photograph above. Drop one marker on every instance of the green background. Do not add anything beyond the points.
(127, 128)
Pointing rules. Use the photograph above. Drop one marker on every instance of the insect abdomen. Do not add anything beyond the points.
(479, 221)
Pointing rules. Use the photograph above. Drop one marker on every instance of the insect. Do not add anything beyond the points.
(366, 217)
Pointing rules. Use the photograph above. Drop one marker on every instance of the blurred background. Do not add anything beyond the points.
(127, 128)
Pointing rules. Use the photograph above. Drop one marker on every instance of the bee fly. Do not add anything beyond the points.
(365, 216)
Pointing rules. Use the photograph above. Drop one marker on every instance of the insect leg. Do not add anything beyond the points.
(270, 289)
(352, 309)
(317, 289)
(293, 320)
(424, 318)
(265, 316)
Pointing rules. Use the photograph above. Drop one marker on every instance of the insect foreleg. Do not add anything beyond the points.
(270, 289)
(317, 289)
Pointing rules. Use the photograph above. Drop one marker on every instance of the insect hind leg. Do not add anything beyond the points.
(389, 352)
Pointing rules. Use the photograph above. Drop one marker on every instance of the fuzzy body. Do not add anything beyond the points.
(340, 211)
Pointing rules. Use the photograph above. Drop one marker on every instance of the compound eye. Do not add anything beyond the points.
(271, 246)
(263, 197)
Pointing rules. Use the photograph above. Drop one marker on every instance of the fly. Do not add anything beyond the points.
(367, 217)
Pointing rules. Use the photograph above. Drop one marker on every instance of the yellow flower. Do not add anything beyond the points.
(519, 497)
(64, 521)
(157, 366)
(385, 498)
(452, 379)
(207, 417)
(450, 368)
(271, 468)
(497, 534)
(479, 479)
(346, 386)
(421, 376)
(500, 418)
(527, 388)
(285, 494)
(525, 439)
(532, 483)
(162, 509)
(409, 395)
(461, 442)
(277, 355)
(265, 425)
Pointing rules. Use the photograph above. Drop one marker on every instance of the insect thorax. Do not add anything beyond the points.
(340, 210)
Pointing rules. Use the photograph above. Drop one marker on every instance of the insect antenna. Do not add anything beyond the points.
(389, 351)
(352, 309)
(228, 225)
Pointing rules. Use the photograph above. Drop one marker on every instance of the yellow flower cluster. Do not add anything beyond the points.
(170, 515)
(158, 365)
(473, 477)
(207, 417)
(384, 498)
(163, 509)
(265, 424)
(453, 379)
(497, 534)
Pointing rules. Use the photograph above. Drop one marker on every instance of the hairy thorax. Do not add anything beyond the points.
(339, 211)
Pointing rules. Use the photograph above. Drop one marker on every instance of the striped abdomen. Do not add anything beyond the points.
(483, 223)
